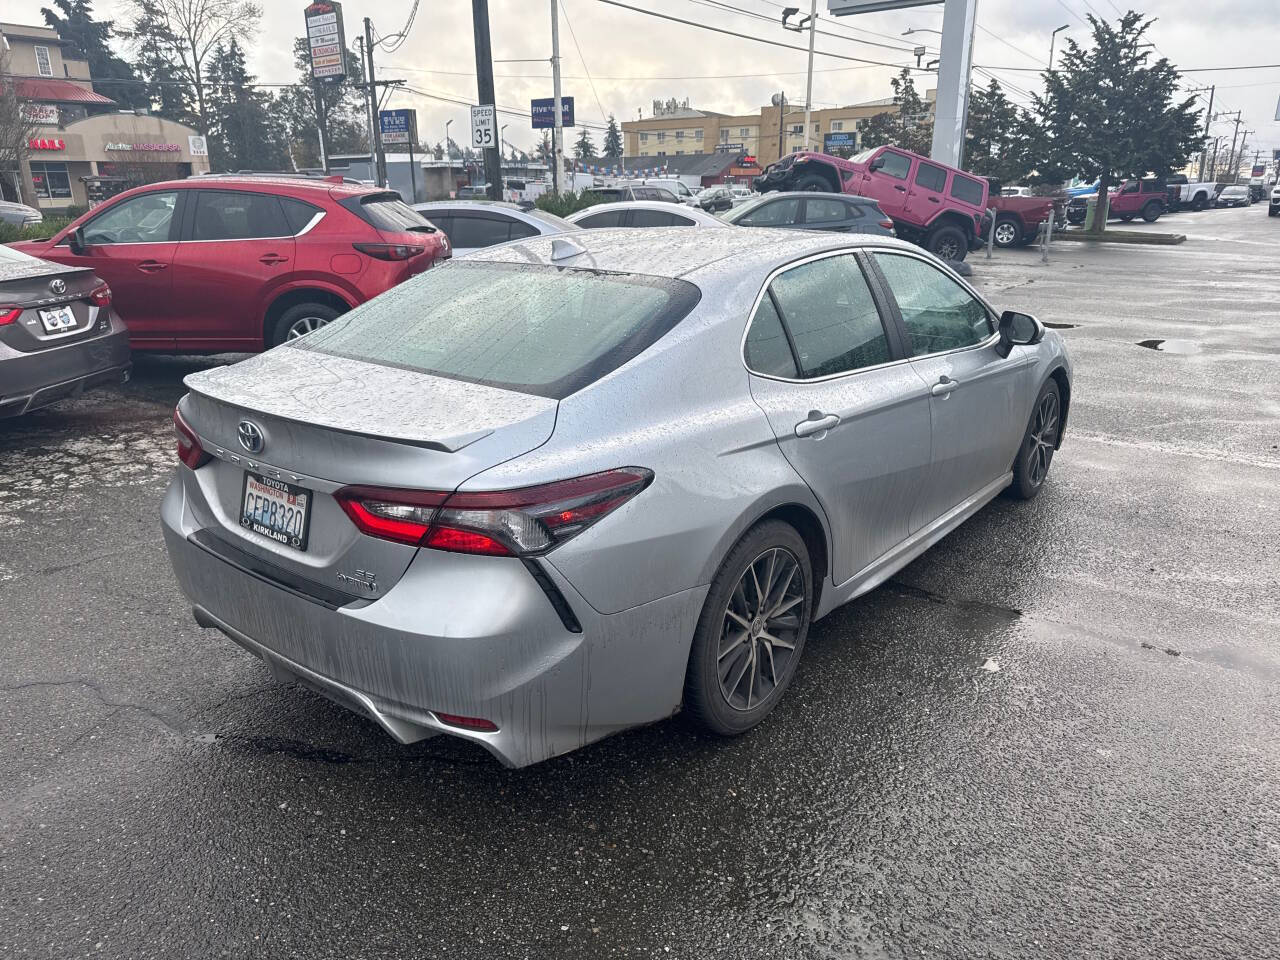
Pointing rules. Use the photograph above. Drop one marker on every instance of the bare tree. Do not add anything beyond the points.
(16, 128)
(193, 29)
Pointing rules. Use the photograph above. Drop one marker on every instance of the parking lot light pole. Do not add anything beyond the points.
(808, 85)
(1054, 36)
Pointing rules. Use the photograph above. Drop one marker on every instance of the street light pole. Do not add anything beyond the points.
(448, 156)
(1054, 36)
(808, 86)
(557, 133)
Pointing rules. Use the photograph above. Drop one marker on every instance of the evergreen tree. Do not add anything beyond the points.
(584, 149)
(544, 148)
(613, 139)
(1110, 112)
(93, 39)
(993, 136)
(907, 125)
(165, 88)
(438, 151)
(241, 134)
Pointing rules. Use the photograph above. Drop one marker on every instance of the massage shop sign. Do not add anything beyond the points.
(143, 148)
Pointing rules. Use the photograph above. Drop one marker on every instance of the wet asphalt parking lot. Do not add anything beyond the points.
(1054, 735)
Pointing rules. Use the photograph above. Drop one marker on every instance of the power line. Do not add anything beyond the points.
(1007, 43)
(395, 41)
(696, 76)
(565, 6)
(720, 5)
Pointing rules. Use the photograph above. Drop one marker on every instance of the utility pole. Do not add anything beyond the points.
(1208, 118)
(808, 85)
(380, 157)
(484, 91)
(781, 100)
(368, 100)
(1213, 160)
(557, 132)
(1232, 165)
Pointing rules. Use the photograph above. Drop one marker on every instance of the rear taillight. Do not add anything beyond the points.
(887, 223)
(522, 522)
(9, 315)
(390, 251)
(101, 296)
(189, 450)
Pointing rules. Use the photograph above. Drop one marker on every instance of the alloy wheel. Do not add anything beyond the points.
(948, 250)
(1005, 234)
(1041, 440)
(761, 627)
(304, 325)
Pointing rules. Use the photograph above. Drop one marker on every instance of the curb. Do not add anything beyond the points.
(1124, 236)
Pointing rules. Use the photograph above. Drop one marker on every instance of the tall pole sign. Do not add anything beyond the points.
(328, 53)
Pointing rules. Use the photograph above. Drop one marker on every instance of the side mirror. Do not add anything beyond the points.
(1018, 330)
(877, 163)
(75, 240)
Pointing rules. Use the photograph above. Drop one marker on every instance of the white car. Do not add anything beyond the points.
(676, 186)
(643, 213)
(473, 225)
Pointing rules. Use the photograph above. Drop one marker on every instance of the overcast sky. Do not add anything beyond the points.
(635, 58)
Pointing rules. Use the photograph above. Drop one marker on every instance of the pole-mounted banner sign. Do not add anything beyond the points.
(398, 126)
(327, 41)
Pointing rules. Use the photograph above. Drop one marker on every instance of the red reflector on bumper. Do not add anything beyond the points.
(478, 724)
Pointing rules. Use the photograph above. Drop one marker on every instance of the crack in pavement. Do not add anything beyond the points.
(170, 724)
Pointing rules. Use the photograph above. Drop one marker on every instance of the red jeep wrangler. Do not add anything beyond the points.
(939, 207)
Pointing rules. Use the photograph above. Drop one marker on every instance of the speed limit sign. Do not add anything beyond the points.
(484, 126)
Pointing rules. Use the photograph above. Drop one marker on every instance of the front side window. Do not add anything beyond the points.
(776, 213)
(658, 218)
(938, 313)
(966, 190)
(43, 64)
(223, 215)
(143, 219)
(931, 177)
(894, 164)
(50, 180)
(534, 329)
(828, 309)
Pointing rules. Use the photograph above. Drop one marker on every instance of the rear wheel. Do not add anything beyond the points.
(812, 182)
(1008, 232)
(947, 242)
(1036, 453)
(299, 320)
(1151, 212)
(1198, 203)
(752, 630)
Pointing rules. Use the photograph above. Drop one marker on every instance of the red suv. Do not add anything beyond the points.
(937, 206)
(242, 262)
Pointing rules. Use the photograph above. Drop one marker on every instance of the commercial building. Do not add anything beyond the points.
(82, 148)
(678, 129)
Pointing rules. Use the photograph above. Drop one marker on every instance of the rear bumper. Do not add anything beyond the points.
(469, 636)
(29, 381)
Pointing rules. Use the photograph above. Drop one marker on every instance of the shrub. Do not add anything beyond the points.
(10, 233)
(567, 203)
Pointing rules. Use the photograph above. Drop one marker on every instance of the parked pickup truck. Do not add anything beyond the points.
(937, 206)
(1133, 198)
(1196, 195)
(1018, 216)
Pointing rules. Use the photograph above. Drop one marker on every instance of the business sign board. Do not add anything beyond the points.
(839, 141)
(327, 41)
(1259, 170)
(730, 147)
(543, 112)
(844, 8)
(41, 113)
(484, 126)
(398, 126)
(198, 146)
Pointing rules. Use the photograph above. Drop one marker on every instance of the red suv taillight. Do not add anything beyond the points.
(189, 450)
(390, 251)
(505, 523)
(101, 296)
(9, 315)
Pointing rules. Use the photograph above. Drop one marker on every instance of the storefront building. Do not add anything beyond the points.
(81, 149)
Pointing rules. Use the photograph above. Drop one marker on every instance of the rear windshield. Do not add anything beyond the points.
(386, 211)
(543, 330)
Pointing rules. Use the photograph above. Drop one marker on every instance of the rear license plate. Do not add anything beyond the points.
(276, 509)
(58, 320)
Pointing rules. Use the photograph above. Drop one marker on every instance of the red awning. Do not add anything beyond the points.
(57, 91)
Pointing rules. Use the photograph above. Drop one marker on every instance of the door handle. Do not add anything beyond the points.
(934, 200)
(944, 386)
(151, 266)
(272, 258)
(815, 426)
(896, 187)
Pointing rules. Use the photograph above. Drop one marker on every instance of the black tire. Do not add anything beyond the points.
(314, 315)
(1198, 203)
(812, 182)
(1035, 453)
(947, 242)
(1126, 217)
(1008, 232)
(1151, 212)
(1273, 211)
(713, 663)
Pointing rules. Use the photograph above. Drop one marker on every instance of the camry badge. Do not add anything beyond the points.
(58, 286)
(250, 435)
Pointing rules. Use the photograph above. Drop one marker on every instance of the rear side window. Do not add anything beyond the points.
(827, 307)
(967, 190)
(521, 230)
(297, 213)
(224, 215)
(386, 211)
(608, 218)
(441, 221)
(536, 329)
(896, 165)
(766, 349)
(658, 218)
(931, 177)
(479, 231)
(826, 210)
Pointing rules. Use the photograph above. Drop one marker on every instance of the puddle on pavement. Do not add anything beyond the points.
(1060, 326)
(1171, 346)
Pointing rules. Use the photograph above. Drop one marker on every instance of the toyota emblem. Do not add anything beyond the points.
(250, 435)
(58, 286)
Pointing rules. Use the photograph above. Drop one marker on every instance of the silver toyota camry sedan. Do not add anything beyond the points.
(570, 485)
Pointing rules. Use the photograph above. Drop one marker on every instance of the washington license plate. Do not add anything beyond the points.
(58, 320)
(276, 509)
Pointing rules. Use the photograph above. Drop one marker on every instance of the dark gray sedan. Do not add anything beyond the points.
(58, 333)
(800, 210)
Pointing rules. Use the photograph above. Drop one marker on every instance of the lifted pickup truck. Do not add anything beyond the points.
(937, 206)
(1018, 217)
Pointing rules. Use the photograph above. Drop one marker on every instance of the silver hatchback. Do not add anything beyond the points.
(570, 485)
